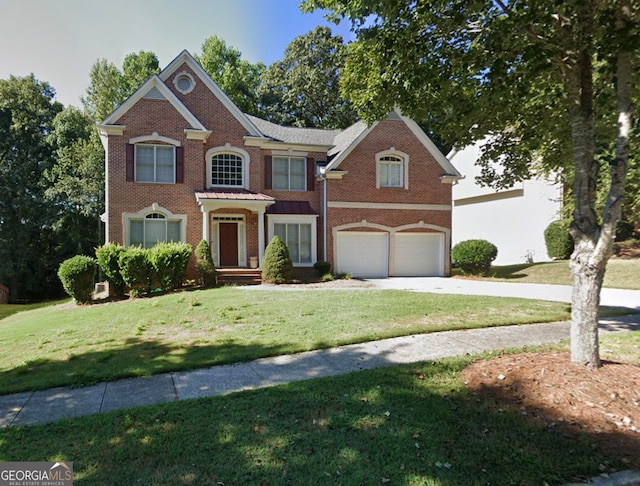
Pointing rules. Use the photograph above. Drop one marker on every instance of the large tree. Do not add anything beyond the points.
(303, 88)
(237, 77)
(550, 82)
(28, 252)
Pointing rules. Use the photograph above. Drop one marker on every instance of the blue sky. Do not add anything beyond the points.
(59, 40)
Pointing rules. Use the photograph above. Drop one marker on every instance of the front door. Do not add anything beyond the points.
(228, 244)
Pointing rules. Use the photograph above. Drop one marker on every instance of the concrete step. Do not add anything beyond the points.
(238, 276)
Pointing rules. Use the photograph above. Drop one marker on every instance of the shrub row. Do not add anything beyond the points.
(140, 270)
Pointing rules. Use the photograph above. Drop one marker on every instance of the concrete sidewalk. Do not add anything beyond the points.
(47, 406)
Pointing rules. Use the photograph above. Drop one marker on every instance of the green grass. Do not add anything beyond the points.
(79, 345)
(411, 425)
(7, 310)
(621, 274)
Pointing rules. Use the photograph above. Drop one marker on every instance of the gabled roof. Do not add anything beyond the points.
(155, 88)
(186, 58)
(350, 138)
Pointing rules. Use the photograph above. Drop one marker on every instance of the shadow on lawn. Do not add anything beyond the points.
(136, 357)
(414, 425)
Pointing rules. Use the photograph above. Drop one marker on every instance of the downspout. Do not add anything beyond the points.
(323, 175)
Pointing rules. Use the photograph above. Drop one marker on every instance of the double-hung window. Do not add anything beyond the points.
(297, 237)
(155, 163)
(390, 171)
(289, 173)
(154, 228)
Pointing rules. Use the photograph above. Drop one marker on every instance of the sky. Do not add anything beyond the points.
(59, 40)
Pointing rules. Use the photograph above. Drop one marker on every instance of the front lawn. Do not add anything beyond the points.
(79, 345)
(621, 273)
(411, 425)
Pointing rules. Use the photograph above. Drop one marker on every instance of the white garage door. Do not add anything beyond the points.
(418, 255)
(363, 254)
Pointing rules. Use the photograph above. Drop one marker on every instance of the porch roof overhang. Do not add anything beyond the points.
(212, 199)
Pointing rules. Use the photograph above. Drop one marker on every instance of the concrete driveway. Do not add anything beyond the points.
(557, 293)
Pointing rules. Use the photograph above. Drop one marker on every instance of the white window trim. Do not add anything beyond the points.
(228, 149)
(154, 208)
(289, 157)
(311, 219)
(155, 163)
(240, 220)
(392, 152)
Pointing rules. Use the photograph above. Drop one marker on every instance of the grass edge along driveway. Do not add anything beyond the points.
(81, 345)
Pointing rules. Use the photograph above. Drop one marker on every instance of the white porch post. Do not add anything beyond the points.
(261, 235)
(205, 224)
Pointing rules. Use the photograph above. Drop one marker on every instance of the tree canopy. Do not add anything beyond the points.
(303, 88)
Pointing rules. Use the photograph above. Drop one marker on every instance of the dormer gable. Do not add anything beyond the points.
(171, 74)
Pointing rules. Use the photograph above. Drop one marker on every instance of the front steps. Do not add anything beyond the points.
(238, 276)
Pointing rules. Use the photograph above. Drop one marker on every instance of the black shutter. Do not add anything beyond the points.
(179, 165)
(311, 174)
(130, 162)
(268, 163)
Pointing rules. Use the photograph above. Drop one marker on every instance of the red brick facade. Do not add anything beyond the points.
(202, 119)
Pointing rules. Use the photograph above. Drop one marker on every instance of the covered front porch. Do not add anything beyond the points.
(233, 224)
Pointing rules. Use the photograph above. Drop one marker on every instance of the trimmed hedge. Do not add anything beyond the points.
(108, 257)
(77, 275)
(474, 257)
(169, 262)
(558, 240)
(277, 267)
(136, 270)
(205, 268)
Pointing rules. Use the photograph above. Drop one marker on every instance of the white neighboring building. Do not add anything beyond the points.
(512, 219)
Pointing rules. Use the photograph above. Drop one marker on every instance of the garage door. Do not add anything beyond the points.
(363, 254)
(418, 255)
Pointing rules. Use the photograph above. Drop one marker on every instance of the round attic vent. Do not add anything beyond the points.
(184, 82)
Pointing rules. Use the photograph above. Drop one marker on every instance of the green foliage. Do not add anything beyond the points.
(474, 257)
(277, 267)
(169, 261)
(136, 270)
(322, 268)
(558, 240)
(624, 231)
(205, 268)
(77, 275)
(303, 88)
(238, 78)
(108, 257)
(30, 251)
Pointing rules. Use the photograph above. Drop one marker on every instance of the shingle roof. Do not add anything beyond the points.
(312, 136)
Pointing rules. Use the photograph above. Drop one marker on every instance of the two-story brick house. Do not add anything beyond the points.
(183, 163)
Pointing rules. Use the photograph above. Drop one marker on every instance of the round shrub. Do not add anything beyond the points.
(137, 270)
(474, 257)
(169, 261)
(558, 240)
(205, 268)
(322, 268)
(277, 267)
(77, 275)
(108, 257)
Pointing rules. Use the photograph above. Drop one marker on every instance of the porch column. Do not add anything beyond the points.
(205, 224)
(261, 235)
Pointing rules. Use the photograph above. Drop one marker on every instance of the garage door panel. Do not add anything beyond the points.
(418, 255)
(363, 254)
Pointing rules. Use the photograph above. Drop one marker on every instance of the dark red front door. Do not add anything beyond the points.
(228, 244)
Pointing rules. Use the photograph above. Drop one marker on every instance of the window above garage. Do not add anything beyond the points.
(392, 169)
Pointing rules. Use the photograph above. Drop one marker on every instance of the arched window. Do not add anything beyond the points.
(392, 169)
(148, 228)
(227, 167)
